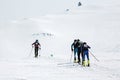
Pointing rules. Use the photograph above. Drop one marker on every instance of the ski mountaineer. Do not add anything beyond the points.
(80, 51)
(86, 53)
(36, 46)
(74, 47)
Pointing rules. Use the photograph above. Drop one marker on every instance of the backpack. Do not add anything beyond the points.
(36, 44)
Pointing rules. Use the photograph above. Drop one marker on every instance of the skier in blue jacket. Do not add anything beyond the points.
(86, 53)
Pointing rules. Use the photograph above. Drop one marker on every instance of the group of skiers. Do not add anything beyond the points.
(80, 49)
(76, 46)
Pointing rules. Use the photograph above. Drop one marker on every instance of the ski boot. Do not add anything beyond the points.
(74, 59)
(79, 62)
(88, 63)
(83, 63)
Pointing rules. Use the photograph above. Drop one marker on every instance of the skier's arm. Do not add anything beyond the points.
(88, 47)
(33, 44)
(39, 46)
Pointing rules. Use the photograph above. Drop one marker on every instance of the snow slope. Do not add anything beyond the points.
(97, 23)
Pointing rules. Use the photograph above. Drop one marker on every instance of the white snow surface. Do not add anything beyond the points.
(97, 23)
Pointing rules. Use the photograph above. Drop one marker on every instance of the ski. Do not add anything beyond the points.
(68, 64)
(64, 63)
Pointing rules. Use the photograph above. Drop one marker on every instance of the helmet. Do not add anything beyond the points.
(75, 40)
(84, 43)
(36, 40)
(78, 40)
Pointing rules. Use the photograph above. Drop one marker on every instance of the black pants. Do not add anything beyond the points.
(36, 51)
(80, 54)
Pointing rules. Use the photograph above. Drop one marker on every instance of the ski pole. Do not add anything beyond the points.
(39, 52)
(30, 52)
(71, 56)
(94, 56)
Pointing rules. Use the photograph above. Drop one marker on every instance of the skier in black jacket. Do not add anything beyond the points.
(80, 51)
(77, 48)
(36, 46)
(74, 47)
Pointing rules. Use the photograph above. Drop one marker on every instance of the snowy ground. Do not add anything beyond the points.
(97, 24)
(51, 68)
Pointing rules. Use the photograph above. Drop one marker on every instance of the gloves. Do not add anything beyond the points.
(71, 49)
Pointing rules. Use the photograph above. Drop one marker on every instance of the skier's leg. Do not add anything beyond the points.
(88, 61)
(75, 53)
(36, 52)
(83, 57)
(83, 63)
(87, 54)
(79, 52)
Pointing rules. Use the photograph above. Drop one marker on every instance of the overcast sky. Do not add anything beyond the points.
(30, 8)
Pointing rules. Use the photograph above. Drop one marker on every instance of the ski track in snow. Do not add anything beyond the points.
(46, 68)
